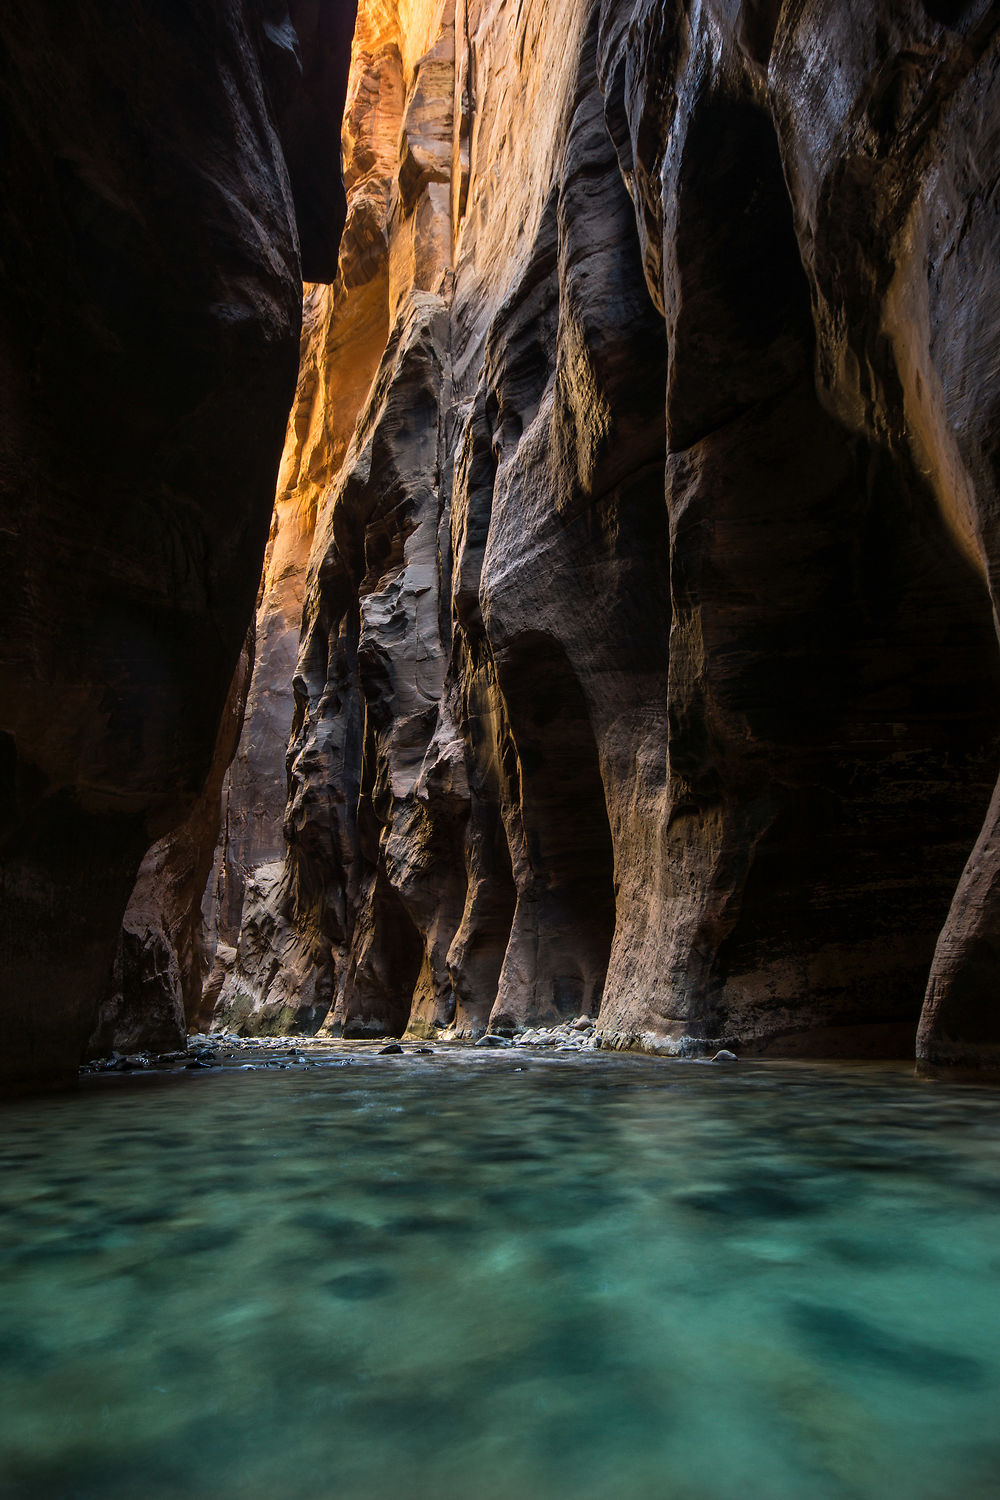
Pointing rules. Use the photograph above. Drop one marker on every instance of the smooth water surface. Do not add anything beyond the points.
(503, 1277)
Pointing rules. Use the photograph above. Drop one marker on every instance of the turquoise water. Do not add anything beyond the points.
(504, 1276)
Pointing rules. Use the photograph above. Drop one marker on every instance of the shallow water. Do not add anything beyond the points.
(504, 1276)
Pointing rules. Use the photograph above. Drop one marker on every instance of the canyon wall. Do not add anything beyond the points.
(154, 235)
(648, 665)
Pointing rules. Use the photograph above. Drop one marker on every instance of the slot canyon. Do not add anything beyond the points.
(625, 645)
(500, 540)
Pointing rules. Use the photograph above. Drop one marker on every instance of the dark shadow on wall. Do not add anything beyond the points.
(834, 671)
(385, 965)
(567, 836)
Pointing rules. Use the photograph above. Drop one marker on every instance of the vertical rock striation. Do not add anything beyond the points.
(149, 317)
(832, 663)
(648, 665)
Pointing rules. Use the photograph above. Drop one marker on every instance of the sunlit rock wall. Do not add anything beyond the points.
(345, 329)
(648, 665)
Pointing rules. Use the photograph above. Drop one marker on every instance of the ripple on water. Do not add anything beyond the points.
(596, 1277)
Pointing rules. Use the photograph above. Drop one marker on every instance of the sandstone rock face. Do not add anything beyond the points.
(157, 989)
(648, 668)
(908, 338)
(149, 318)
(345, 328)
(832, 662)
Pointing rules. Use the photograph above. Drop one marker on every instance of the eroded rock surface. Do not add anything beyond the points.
(648, 669)
(157, 989)
(149, 319)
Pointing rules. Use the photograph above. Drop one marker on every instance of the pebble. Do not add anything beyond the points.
(268, 1053)
(570, 1036)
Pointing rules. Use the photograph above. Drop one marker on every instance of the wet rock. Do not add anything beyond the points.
(490, 1039)
(392, 1049)
(110, 1064)
(724, 1056)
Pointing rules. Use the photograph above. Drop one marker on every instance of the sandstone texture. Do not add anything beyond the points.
(157, 990)
(648, 668)
(150, 305)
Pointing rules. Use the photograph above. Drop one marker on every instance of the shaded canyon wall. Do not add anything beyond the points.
(640, 505)
(157, 214)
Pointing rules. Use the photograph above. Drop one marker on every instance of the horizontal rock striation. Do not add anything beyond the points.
(149, 317)
(648, 669)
